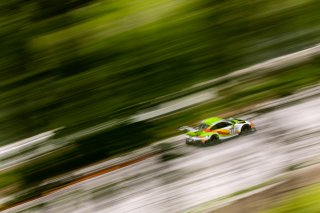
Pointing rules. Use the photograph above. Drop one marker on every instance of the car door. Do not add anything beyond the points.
(224, 128)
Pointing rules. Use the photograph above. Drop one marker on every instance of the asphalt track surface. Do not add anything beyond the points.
(285, 137)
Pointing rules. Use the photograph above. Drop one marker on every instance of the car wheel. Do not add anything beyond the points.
(187, 142)
(213, 139)
(245, 129)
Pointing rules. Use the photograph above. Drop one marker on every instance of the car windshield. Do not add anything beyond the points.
(202, 126)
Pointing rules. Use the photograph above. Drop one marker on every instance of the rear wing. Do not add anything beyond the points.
(187, 128)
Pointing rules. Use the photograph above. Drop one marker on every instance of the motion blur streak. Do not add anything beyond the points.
(201, 174)
(93, 94)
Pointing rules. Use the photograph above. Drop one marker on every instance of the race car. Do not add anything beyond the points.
(215, 129)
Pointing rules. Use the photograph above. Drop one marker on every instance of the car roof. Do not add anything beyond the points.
(210, 121)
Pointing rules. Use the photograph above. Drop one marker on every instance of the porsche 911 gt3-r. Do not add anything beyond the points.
(214, 129)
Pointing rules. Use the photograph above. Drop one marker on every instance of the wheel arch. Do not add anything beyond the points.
(215, 135)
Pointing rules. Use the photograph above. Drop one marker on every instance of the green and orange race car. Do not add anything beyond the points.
(215, 129)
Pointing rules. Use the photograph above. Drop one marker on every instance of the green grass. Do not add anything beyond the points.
(305, 200)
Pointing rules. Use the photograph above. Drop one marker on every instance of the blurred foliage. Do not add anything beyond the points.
(86, 150)
(76, 63)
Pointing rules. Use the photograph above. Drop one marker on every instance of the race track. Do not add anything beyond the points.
(284, 137)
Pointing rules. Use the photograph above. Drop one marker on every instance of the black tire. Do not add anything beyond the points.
(245, 129)
(188, 143)
(213, 139)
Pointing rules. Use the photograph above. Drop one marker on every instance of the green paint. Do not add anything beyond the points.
(210, 121)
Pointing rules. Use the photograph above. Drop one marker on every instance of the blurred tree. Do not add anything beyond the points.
(63, 66)
(47, 9)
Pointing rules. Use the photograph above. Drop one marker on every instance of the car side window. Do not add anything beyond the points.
(222, 125)
(214, 127)
(229, 124)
